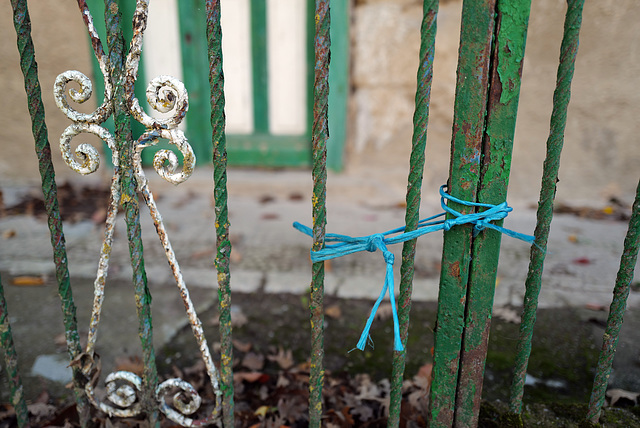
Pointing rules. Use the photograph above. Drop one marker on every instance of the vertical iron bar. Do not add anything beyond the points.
(504, 89)
(561, 97)
(129, 201)
(466, 148)
(11, 364)
(414, 189)
(616, 312)
(319, 136)
(216, 82)
(29, 69)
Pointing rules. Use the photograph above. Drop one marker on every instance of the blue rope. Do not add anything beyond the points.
(347, 245)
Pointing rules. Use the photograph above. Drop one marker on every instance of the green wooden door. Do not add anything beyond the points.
(260, 145)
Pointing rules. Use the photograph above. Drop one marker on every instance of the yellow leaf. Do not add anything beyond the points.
(28, 280)
(262, 411)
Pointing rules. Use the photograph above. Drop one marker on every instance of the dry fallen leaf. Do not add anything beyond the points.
(248, 376)
(9, 233)
(582, 261)
(253, 361)
(282, 382)
(425, 371)
(270, 216)
(130, 363)
(265, 199)
(291, 407)
(41, 410)
(333, 311)
(238, 318)
(28, 281)
(283, 358)
(242, 346)
(615, 395)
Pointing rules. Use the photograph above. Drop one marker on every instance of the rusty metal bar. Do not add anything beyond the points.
(11, 364)
(616, 312)
(29, 69)
(477, 31)
(218, 139)
(122, 92)
(414, 189)
(533, 284)
(506, 71)
(319, 137)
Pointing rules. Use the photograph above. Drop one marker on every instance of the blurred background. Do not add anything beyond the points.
(268, 67)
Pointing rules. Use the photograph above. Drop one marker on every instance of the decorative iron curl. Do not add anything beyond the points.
(165, 162)
(164, 94)
(85, 159)
(122, 390)
(186, 401)
(86, 90)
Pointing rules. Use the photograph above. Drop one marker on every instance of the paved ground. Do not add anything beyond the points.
(270, 255)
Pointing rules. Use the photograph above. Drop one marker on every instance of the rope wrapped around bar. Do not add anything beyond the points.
(345, 244)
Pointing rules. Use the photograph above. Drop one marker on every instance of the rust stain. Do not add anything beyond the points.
(454, 269)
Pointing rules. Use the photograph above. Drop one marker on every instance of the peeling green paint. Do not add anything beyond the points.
(511, 43)
(474, 56)
(502, 106)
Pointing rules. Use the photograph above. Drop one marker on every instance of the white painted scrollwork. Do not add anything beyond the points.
(85, 159)
(186, 401)
(166, 162)
(123, 389)
(165, 94)
(86, 90)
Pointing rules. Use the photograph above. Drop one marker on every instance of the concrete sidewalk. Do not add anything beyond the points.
(270, 255)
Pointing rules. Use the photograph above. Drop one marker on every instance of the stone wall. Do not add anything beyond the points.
(602, 151)
(61, 44)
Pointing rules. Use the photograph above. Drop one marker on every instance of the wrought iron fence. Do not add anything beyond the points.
(493, 39)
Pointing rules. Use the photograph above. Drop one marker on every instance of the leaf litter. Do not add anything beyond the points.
(271, 391)
(271, 370)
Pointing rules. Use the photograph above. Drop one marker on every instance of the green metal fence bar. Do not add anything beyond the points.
(216, 81)
(29, 69)
(11, 364)
(414, 189)
(129, 200)
(502, 106)
(616, 312)
(561, 97)
(466, 147)
(319, 136)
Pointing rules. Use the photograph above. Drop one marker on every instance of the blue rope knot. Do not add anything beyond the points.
(374, 242)
(345, 244)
